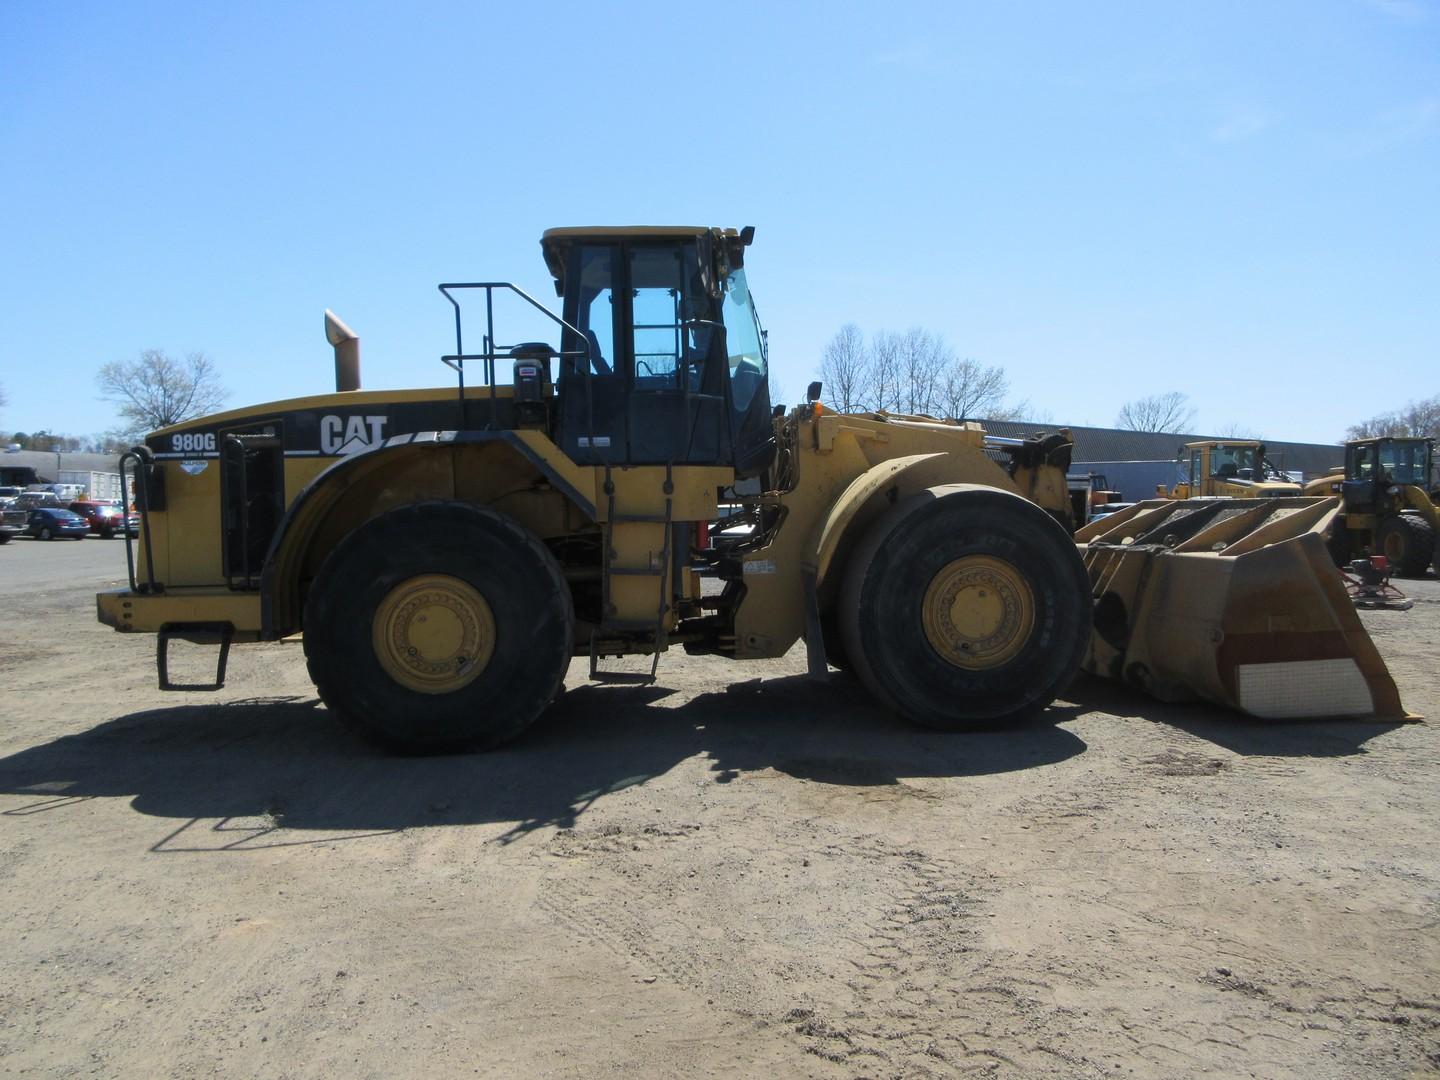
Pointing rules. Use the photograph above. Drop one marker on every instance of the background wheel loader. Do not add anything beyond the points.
(1229, 469)
(446, 553)
(1391, 504)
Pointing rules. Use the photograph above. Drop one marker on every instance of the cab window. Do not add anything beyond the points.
(744, 340)
(668, 307)
(595, 315)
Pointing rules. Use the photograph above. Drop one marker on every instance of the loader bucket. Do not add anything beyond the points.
(1235, 601)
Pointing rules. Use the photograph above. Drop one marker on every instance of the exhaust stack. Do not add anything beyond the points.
(347, 352)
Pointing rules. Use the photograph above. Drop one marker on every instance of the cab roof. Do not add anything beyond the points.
(587, 232)
(554, 242)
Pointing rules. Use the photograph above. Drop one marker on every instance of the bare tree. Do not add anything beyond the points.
(1022, 411)
(882, 388)
(914, 372)
(1170, 412)
(1419, 419)
(1239, 431)
(155, 390)
(109, 442)
(844, 370)
(972, 390)
(923, 358)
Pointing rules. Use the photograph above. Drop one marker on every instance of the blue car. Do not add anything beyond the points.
(50, 523)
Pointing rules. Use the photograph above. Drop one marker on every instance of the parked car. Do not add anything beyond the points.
(31, 500)
(12, 522)
(48, 523)
(106, 519)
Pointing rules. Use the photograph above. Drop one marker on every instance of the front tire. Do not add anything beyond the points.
(966, 607)
(439, 626)
(46, 534)
(1407, 542)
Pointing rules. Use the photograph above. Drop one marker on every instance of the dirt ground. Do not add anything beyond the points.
(736, 872)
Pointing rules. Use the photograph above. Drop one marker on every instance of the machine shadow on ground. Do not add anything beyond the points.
(1233, 731)
(283, 763)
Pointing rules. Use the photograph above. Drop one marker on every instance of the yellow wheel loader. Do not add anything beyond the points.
(1228, 469)
(1391, 504)
(446, 553)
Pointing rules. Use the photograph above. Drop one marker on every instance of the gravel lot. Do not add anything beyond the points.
(737, 871)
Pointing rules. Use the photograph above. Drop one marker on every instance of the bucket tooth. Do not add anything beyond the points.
(1235, 601)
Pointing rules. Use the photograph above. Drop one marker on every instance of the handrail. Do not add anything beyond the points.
(142, 497)
(493, 352)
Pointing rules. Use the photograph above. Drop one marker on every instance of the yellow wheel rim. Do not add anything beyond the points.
(978, 612)
(1395, 547)
(434, 633)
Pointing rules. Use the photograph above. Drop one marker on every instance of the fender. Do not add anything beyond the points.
(825, 541)
(279, 614)
(1417, 499)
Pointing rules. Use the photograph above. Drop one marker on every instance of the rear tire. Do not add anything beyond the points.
(46, 534)
(465, 567)
(966, 607)
(1408, 542)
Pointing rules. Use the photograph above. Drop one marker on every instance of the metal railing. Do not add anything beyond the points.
(494, 351)
(142, 500)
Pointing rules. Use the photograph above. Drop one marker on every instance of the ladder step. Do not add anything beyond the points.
(638, 519)
(631, 678)
(635, 571)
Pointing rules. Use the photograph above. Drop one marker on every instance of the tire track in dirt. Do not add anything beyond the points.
(911, 992)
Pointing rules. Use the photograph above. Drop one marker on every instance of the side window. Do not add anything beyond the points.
(596, 314)
(1195, 474)
(744, 341)
(660, 306)
(1364, 466)
(657, 332)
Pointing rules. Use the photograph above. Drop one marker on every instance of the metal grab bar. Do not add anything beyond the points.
(142, 499)
(493, 352)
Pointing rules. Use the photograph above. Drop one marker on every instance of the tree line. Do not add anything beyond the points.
(1418, 419)
(913, 371)
(152, 391)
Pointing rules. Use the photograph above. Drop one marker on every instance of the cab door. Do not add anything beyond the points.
(1360, 490)
(592, 426)
(677, 403)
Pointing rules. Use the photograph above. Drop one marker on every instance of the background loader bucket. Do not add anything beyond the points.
(1235, 601)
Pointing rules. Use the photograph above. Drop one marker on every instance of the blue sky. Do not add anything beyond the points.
(1234, 200)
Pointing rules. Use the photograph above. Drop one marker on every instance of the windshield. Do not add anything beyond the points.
(1237, 462)
(1405, 462)
(745, 341)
